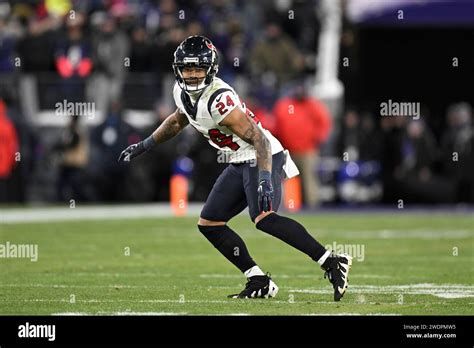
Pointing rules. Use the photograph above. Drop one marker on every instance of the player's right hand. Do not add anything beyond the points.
(265, 196)
(131, 152)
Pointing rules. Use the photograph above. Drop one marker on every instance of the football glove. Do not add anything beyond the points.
(265, 191)
(135, 150)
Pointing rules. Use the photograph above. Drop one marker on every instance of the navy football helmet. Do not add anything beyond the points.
(195, 51)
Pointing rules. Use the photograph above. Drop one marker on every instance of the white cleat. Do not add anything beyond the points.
(258, 287)
(337, 269)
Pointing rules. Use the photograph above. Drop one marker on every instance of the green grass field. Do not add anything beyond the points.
(412, 264)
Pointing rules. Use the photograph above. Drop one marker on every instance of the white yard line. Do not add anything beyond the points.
(112, 274)
(93, 212)
(423, 234)
(216, 275)
(291, 276)
(68, 286)
(129, 313)
(126, 313)
(225, 314)
(448, 291)
(348, 314)
(402, 233)
(227, 302)
(71, 313)
(181, 302)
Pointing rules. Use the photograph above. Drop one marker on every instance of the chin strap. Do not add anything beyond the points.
(194, 94)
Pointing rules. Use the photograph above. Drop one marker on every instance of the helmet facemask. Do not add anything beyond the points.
(195, 52)
(190, 84)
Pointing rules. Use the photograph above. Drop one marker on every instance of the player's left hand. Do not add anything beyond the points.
(131, 152)
(265, 195)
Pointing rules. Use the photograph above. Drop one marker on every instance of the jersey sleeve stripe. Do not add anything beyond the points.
(214, 96)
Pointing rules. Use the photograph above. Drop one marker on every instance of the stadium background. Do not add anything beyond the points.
(126, 48)
(122, 251)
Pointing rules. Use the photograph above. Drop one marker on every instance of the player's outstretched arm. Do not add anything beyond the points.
(170, 127)
(246, 129)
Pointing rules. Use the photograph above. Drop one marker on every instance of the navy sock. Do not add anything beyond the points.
(292, 233)
(229, 244)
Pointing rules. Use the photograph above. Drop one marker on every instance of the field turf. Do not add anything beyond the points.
(421, 264)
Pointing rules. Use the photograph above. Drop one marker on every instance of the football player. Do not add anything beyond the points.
(213, 107)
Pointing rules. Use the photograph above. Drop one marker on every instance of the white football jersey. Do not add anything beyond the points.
(213, 105)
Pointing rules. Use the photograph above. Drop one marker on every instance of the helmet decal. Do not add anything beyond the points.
(210, 45)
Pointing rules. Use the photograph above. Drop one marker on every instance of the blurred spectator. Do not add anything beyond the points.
(149, 16)
(22, 176)
(36, 48)
(457, 138)
(457, 149)
(168, 12)
(349, 139)
(109, 139)
(359, 138)
(8, 148)
(302, 125)
(73, 59)
(359, 147)
(7, 47)
(275, 59)
(8, 143)
(215, 15)
(111, 47)
(195, 28)
(73, 150)
(221, 20)
(414, 175)
(261, 113)
(393, 133)
(418, 152)
(140, 59)
(73, 54)
(302, 24)
(349, 70)
(163, 50)
(371, 139)
(234, 54)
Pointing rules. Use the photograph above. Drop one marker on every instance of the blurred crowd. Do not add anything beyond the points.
(416, 165)
(118, 54)
(77, 39)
